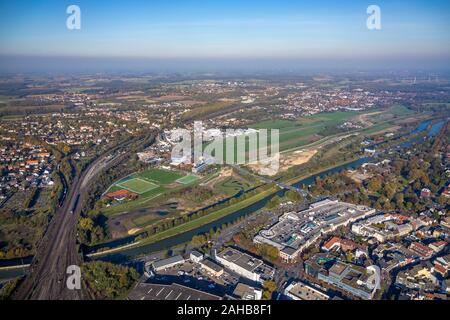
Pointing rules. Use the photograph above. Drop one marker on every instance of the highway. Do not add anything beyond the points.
(58, 249)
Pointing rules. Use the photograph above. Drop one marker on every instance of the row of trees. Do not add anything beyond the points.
(168, 224)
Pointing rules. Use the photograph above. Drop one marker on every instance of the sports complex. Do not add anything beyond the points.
(153, 182)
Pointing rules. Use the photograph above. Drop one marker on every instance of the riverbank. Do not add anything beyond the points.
(194, 224)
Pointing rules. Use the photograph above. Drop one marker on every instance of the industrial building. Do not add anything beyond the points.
(167, 263)
(151, 291)
(211, 267)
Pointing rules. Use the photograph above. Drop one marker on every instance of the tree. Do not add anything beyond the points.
(198, 241)
(268, 251)
(374, 184)
(268, 288)
(273, 203)
(86, 224)
(442, 200)
(399, 200)
(105, 280)
(293, 196)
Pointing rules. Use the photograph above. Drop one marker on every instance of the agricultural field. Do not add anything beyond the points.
(307, 130)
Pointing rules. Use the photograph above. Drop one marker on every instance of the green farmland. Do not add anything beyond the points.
(306, 130)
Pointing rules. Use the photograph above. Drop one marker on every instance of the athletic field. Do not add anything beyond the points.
(137, 185)
(187, 179)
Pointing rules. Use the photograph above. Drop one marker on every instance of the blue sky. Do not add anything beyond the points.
(227, 29)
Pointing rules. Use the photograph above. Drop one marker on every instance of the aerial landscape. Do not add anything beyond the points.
(322, 171)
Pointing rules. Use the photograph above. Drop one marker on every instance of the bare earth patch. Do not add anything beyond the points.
(288, 160)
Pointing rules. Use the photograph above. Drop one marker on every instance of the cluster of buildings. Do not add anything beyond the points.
(355, 280)
(426, 280)
(387, 226)
(24, 165)
(240, 275)
(296, 231)
(311, 100)
(91, 125)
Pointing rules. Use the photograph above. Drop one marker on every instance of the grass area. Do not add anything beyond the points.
(216, 215)
(160, 176)
(11, 118)
(400, 110)
(144, 221)
(310, 130)
(150, 185)
(187, 179)
(230, 186)
(203, 110)
(137, 185)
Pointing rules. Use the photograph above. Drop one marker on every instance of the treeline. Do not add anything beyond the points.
(168, 224)
(107, 281)
(398, 186)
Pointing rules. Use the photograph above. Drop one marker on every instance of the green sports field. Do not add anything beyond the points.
(149, 185)
(187, 179)
(137, 185)
(160, 176)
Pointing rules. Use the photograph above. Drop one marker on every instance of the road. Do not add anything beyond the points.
(264, 179)
(58, 249)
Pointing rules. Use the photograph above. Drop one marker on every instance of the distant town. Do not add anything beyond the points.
(359, 208)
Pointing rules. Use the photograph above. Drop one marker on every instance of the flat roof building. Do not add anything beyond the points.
(245, 265)
(301, 291)
(167, 263)
(195, 256)
(151, 291)
(212, 267)
(246, 292)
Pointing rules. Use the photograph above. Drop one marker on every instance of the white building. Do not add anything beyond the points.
(167, 263)
(245, 265)
(196, 256)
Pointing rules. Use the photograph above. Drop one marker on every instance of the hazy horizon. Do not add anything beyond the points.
(215, 35)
